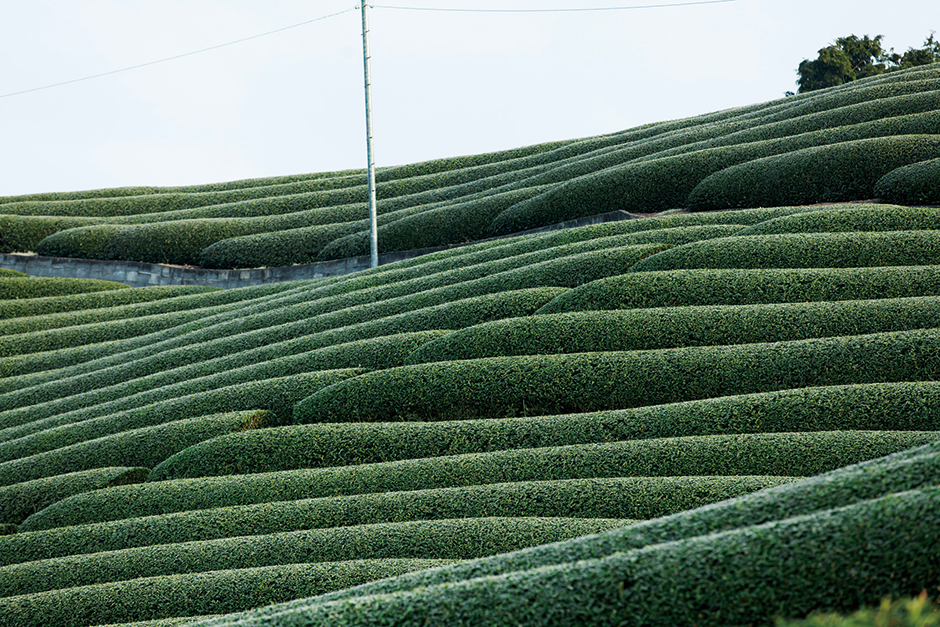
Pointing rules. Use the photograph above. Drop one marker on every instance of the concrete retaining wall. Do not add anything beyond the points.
(139, 274)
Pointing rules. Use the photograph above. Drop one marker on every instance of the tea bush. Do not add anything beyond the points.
(870, 406)
(678, 288)
(914, 184)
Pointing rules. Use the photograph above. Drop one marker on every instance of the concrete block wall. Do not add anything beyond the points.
(139, 274)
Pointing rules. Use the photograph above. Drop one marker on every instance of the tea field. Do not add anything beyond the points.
(721, 412)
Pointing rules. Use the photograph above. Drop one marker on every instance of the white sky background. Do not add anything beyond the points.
(443, 84)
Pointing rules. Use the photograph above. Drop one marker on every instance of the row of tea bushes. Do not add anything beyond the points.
(914, 184)
(495, 387)
(729, 578)
(729, 455)
(452, 539)
(20, 288)
(872, 406)
(853, 249)
(673, 327)
(302, 346)
(909, 470)
(20, 500)
(145, 447)
(622, 497)
(276, 395)
(75, 304)
(649, 186)
(836, 172)
(158, 300)
(860, 217)
(556, 271)
(680, 288)
(195, 594)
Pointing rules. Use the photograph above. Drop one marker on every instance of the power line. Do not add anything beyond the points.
(179, 56)
(574, 10)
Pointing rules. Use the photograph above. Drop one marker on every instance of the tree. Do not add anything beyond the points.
(850, 58)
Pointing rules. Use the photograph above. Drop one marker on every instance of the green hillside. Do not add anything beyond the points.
(723, 415)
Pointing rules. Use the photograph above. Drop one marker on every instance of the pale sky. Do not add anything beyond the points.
(443, 83)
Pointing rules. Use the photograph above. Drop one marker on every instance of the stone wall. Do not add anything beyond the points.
(139, 274)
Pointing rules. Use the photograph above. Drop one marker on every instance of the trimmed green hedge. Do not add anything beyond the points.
(277, 395)
(102, 300)
(314, 344)
(622, 498)
(181, 301)
(667, 327)
(775, 454)
(461, 538)
(23, 233)
(147, 446)
(6, 272)
(497, 387)
(802, 250)
(679, 288)
(195, 594)
(862, 217)
(917, 183)
(872, 406)
(17, 288)
(272, 322)
(835, 559)
(95, 332)
(278, 248)
(907, 470)
(371, 354)
(686, 179)
(830, 173)
(38, 368)
(19, 501)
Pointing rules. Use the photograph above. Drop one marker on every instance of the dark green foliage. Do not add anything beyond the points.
(740, 454)
(147, 446)
(278, 351)
(630, 497)
(463, 538)
(862, 217)
(631, 458)
(854, 249)
(173, 301)
(907, 470)
(17, 288)
(914, 184)
(848, 167)
(96, 332)
(830, 173)
(278, 248)
(21, 500)
(276, 395)
(195, 594)
(6, 272)
(495, 387)
(371, 354)
(875, 406)
(23, 233)
(667, 327)
(836, 559)
(679, 288)
(103, 300)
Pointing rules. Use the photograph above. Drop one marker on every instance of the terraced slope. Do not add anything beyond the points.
(831, 145)
(712, 418)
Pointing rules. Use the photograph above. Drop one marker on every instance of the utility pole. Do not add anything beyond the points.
(373, 220)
